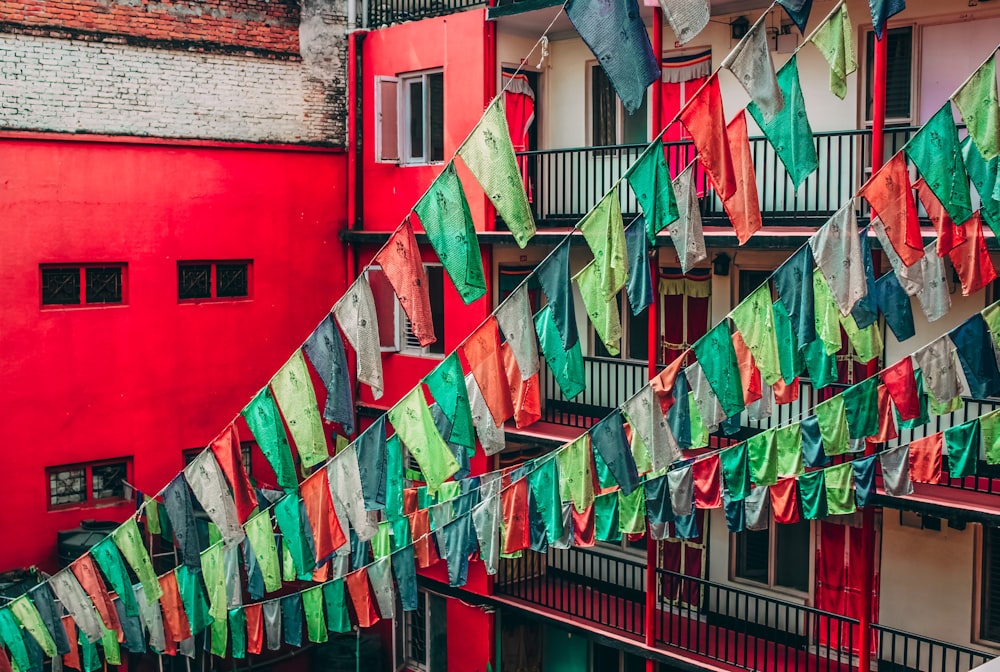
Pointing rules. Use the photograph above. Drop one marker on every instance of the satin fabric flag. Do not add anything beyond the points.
(751, 64)
(616, 35)
(152, 510)
(971, 258)
(991, 315)
(111, 564)
(833, 39)
(827, 315)
(514, 317)
(989, 427)
(348, 499)
(832, 418)
(963, 443)
(891, 196)
(754, 318)
(798, 11)
(514, 511)
(554, 278)
(401, 263)
(812, 491)
(380, 576)
(327, 534)
(180, 511)
(736, 471)
(896, 471)
(735, 514)
(361, 598)
(977, 101)
(939, 366)
(262, 417)
(649, 180)
(603, 312)
(640, 284)
(789, 442)
(444, 213)
(491, 436)
(482, 350)
(26, 613)
(404, 562)
(238, 627)
(489, 154)
(836, 249)
(975, 349)
(789, 356)
(785, 501)
(886, 424)
(793, 280)
(325, 350)
(567, 366)
(412, 421)
(293, 391)
(208, 483)
(895, 306)
(255, 628)
(707, 476)
(608, 438)
(865, 311)
(337, 618)
(753, 390)
(935, 295)
(864, 480)
(788, 131)
(86, 573)
(681, 482)
(882, 11)
(686, 231)
(175, 620)
(911, 278)
(226, 448)
(606, 518)
(662, 384)
(44, 601)
(632, 512)
(762, 450)
(925, 459)
(152, 620)
(576, 480)
(743, 205)
(821, 367)
(260, 534)
(604, 232)
(657, 494)
(643, 412)
(355, 312)
(372, 456)
(757, 507)
(922, 417)
(687, 18)
(948, 234)
(717, 358)
(705, 120)
(983, 174)
(272, 624)
(545, 485)
(213, 573)
(861, 408)
(902, 387)
(10, 634)
(838, 481)
(486, 519)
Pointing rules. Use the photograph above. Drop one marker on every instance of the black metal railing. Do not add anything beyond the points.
(610, 382)
(900, 651)
(754, 632)
(591, 586)
(387, 12)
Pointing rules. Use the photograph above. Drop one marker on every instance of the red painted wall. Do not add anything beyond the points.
(471, 638)
(153, 377)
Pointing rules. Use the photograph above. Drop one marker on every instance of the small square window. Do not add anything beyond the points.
(194, 281)
(83, 284)
(108, 480)
(84, 484)
(104, 284)
(60, 286)
(231, 280)
(67, 486)
(207, 280)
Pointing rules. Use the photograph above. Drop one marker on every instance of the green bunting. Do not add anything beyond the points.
(699, 432)
(983, 174)
(566, 365)
(312, 604)
(238, 626)
(447, 386)
(935, 151)
(296, 397)
(193, 599)
(112, 650)
(977, 101)
(26, 612)
(789, 441)
(604, 232)
(10, 634)
(649, 179)
(839, 482)
(832, 418)
(603, 313)
(822, 367)
(827, 314)
(129, 541)
(606, 525)
(789, 355)
(414, 424)
(576, 481)
(963, 442)
(109, 559)
(214, 572)
(861, 407)
(544, 484)
(833, 39)
(717, 357)
(632, 512)
(394, 484)
(763, 452)
(736, 471)
(260, 532)
(262, 417)
(867, 342)
(989, 426)
(812, 495)
(337, 618)
(754, 318)
(288, 513)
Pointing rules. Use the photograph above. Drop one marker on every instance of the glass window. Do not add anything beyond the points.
(989, 620)
(899, 74)
(610, 124)
(423, 97)
(88, 483)
(83, 284)
(777, 557)
(207, 280)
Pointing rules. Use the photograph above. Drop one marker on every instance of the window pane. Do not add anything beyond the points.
(435, 287)
(104, 285)
(67, 486)
(194, 281)
(634, 125)
(60, 286)
(991, 585)
(752, 551)
(638, 334)
(792, 561)
(109, 481)
(605, 658)
(604, 107)
(438, 636)
(385, 306)
(232, 280)
(416, 632)
(415, 102)
(435, 107)
(898, 73)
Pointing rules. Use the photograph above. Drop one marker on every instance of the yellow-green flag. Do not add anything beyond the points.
(26, 612)
(576, 481)
(977, 101)
(128, 539)
(754, 318)
(603, 313)
(414, 424)
(649, 179)
(294, 393)
(604, 232)
(833, 39)
(260, 533)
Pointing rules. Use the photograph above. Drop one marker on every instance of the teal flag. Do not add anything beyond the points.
(650, 181)
(936, 152)
(812, 494)
(544, 484)
(963, 443)
(717, 357)
(262, 416)
(109, 559)
(566, 365)
(789, 355)
(288, 513)
(446, 383)
(861, 407)
(736, 471)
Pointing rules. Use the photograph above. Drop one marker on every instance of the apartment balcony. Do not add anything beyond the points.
(381, 13)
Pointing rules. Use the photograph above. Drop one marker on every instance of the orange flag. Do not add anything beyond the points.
(663, 384)
(514, 503)
(175, 621)
(86, 573)
(525, 394)
(742, 206)
(71, 659)
(971, 259)
(705, 120)
(707, 476)
(891, 197)
(423, 542)
(482, 350)
(949, 235)
(925, 459)
(255, 627)
(886, 422)
(327, 533)
(226, 449)
(749, 375)
(785, 501)
(400, 261)
(785, 393)
(361, 598)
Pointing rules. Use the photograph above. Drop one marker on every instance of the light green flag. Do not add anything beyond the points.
(604, 232)
(129, 541)
(214, 572)
(445, 216)
(833, 39)
(219, 636)
(789, 131)
(489, 154)
(576, 480)
(839, 483)
(112, 651)
(312, 605)
(991, 315)
(380, 542)
(754, 318)
(632, 512)
(699, 432)
(152, 510)
(989, 427)
(412, 421)
(936, 152)
(566, 365)
(260, 532)
(832, 417)
(866, 342)
(649, 179)
(827, 314)
(603, 313)
(293, 390)
(789, 442)
(261, 415)
(762, 450)
(26, 612)
(977, 101)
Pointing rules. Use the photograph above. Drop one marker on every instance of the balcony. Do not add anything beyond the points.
(381, 13)
(610, 383)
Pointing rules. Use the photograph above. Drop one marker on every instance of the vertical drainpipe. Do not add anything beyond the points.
(353, 178)
(652, 316)
(868, 515)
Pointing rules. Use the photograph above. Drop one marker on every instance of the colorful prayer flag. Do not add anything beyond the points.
(977, 101)
(704, 119)
(834, 41)
(751, 64)
(400, 261)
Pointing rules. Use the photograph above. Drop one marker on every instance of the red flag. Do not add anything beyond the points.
(525, 395)
(949, 235)
(86, 573)
(707, 476)
(925, 459)
(971, 259)
(255, 627)
(902, 386)
(401, 263)
(361, 598)
(482, 350)
(785, 500)
(742, 206)
(423, 542)
(705, 120)
(891, 197)
(663, 383)
(322, 573)
(785, 393)
(410, 499)
(327, 533)
(583, 527)
(886, 423)
(72, 658)
(517, 532)
(749, 375)
(226, 449)
(175, 621)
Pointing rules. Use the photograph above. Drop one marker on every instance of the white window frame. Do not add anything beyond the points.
(620, 112)
(914, 77)
(397, 314)
(404, 333)
(406, 157)
(772, 563)
(381, 120)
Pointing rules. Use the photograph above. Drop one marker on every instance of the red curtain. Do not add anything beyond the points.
(519, 106)
(839, 566)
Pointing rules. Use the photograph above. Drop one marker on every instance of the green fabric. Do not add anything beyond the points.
(312, 604)
(977, 101)
(943, 407)
(401, 534)
(445, 216)
(26, 612)
(381, 542)
(337, 618)
(936, 153)
(606, 517)
(213, 569)
(983, 174)
(238, 626)
(261, 415)
(989, 427)
(152, 510)
(394, 484)
(736, 471)
(447, 386)
(632, 512)
(604, 232)
(833, 39)
(605, 479)
(866, 342)
(822, 367)
(789, 440)
(717, 357)
(861, 407)
(923, 418)
(288, 514)
(89, 657)
(566, 366)
(287, 565)
(962, 442)
(10, 634)
(812, 495)
(260, 532)
(109, 559)
(649, 179)
(213, 533)
(699, 432)
(576, 481)
(839, 482)
(112, 651)
(763, 454)
(640, 453)
(193, 599)
(166, 531)
(991, 315)
(414, 424)
(296, 397)
(603, 313)
(789, 131)
(789, 356)
(827, 314)
(544, 484)
(489, 154)
(754, 318)
(219, 636)
(832, 418)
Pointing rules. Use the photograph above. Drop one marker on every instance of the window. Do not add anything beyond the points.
(750, 280)
(777, 557)
(425, 639)
(899, 75)
(207, 280)
(989, 615)
(83, 284)
(610, 124)
(387, 309)
(435, 287)
(409, 112)
(87, 483)
(609, 659)
(635, 334)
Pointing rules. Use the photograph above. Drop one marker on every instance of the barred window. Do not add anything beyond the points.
(208, 280)
(92, 483)
(82, 284)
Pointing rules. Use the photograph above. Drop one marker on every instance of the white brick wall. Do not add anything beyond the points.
(74, 86)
